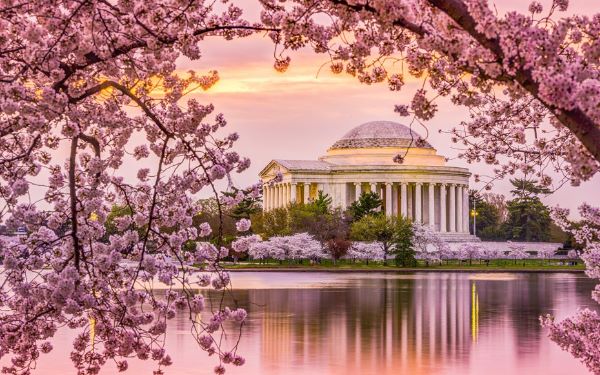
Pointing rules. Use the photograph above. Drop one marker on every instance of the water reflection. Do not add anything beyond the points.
(425, 323)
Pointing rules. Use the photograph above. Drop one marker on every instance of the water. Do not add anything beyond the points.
(357, 323)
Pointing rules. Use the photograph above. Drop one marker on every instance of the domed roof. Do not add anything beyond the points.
(381, 134)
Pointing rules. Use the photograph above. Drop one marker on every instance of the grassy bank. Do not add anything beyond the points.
(496, 265)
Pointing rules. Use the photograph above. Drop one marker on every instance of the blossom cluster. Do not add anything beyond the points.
(294, 247)
(579, 334)
(85, 89)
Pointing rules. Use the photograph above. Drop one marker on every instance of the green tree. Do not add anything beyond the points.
(368, 203)
(394, 234)
(528, 218)
(271, 223)
(322, 203)
(524, 188)
(404, 250)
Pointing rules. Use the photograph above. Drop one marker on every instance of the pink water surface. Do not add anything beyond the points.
(422, 323)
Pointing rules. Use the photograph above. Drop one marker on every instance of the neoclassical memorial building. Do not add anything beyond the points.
(422, 188)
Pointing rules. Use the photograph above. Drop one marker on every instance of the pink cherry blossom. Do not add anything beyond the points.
(579, 333)
(243, 225)
(84, 88)
(371, 251)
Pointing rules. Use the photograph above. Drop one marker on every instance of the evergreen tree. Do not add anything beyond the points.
(323, 202)
(247, 207)
(368, 203)
(528, 218)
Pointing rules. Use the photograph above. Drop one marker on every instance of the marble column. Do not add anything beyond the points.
(357, 190)
(388, 199)
(431, 206)
(294, 191)
(374, 187)
(418, 202)
(266, 197)
(443, 209)
(452, 203)
(459, 209)
(343, 195)
(394, 200)
(403, 200)
(410, 201)
(272, 196)
(466, 209)
(306, 192)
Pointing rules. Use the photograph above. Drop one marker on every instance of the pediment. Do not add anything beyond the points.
(272, 169)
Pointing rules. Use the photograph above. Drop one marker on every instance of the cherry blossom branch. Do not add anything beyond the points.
(582, 126)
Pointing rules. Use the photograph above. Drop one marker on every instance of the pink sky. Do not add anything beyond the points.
(299, 114)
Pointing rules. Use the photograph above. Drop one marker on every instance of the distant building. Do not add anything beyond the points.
(422, 187)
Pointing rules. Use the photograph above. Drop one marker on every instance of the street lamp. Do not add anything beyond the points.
(474, 213)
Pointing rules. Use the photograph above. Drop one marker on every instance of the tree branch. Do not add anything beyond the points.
(577, 121)
(580, 124)
(92, 58)
(73, 196)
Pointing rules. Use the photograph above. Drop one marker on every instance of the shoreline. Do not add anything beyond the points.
(401, 270)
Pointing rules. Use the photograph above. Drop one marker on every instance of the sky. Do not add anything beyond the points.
(300, 113)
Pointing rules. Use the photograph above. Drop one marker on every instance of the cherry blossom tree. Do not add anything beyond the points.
(448, 253)
(487, 254)
(84, 87)
(263, 250)
(428, 245)
(545, 253)
(244, 244)
(469, 251)
(367, 251)
(517, 252)
(295, 247)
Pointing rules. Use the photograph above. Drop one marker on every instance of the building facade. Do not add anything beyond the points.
(422, 187)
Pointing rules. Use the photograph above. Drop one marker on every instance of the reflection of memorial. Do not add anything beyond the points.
(405, 324)
(421, 323)
(276, 337)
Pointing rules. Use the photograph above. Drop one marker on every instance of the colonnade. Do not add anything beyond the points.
(442, 206)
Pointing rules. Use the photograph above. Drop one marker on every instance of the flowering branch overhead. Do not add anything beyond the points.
(515, 73)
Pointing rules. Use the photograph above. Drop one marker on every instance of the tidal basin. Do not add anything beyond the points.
(382, 323)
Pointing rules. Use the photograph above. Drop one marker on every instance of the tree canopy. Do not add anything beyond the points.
(528, 218)
(368, 203)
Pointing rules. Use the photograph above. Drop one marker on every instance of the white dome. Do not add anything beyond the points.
(380, 134)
